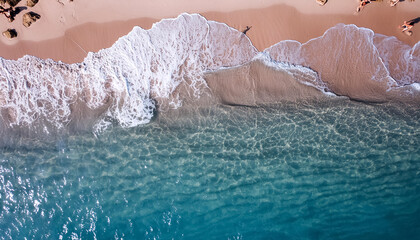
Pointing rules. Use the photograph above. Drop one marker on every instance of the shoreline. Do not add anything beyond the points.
(270, 25)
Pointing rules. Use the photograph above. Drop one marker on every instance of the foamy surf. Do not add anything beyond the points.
(120, 84)
(161, 68)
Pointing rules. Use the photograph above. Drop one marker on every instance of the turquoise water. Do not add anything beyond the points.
(337, 170)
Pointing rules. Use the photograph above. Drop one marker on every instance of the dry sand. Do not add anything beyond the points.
(68, 30)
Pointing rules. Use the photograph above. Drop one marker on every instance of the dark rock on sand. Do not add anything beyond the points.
(10, 33)
(12, 3)
(321, 2)
(31, 3)
(29, 18)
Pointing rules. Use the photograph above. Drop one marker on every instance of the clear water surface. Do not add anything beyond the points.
(336, 170)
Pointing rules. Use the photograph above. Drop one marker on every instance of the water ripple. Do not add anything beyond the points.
(340, 171)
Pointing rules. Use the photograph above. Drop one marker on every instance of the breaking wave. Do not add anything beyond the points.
(175, 62)
(357, 63)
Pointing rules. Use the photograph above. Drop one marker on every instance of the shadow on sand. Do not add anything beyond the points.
(414, 21)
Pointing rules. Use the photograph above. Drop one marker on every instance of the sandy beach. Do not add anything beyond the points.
(67, 31)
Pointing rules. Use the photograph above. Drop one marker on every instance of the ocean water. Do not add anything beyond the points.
(336, 169)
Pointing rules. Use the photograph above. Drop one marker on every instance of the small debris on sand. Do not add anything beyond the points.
(10, 33)
(322, 2)
(393, 2)
(362, 4)
(31, 3)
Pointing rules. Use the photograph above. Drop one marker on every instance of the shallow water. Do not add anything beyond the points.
(334, 170)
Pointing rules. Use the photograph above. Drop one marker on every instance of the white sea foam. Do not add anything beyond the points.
(125, 83)
(416, 86)
(402, 61)
(120, 84)
(353, 61)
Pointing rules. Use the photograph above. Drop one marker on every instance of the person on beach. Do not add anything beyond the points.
(8, 12)
(363, 3)
(393, 2)
(246, 30)
(4, 10)
(406, 27)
